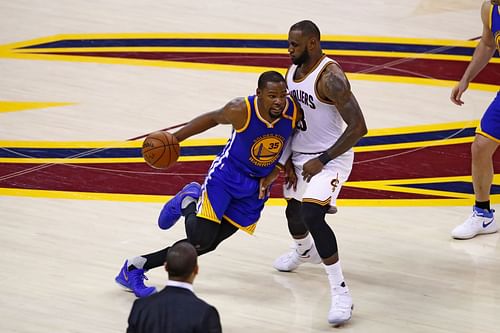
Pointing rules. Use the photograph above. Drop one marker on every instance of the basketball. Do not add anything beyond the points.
(160, 149)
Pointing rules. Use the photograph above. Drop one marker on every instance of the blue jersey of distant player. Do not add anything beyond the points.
(231, 188)
(495, 24)
(490, 122)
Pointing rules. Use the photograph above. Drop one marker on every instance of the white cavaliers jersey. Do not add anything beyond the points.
(323, 123)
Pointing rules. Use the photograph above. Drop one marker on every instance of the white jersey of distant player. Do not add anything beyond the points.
(323, 122)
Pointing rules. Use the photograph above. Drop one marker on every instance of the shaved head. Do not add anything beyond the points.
(308, 29)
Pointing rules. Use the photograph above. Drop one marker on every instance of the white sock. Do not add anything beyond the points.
(137, 262)
(186, 201)
(335, 275)
(304, 244)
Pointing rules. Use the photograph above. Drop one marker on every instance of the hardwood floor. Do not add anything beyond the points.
(66, 228)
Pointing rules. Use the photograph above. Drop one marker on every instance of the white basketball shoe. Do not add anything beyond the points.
(291, 260)
(341, 307)
(479, 222)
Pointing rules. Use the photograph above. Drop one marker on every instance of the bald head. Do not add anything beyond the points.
(181, 261)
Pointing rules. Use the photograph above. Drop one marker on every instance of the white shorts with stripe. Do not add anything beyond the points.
(324, 188)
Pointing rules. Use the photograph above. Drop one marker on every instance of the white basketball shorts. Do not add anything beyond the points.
(324, 188)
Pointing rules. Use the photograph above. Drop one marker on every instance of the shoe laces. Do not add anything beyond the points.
(137, 278)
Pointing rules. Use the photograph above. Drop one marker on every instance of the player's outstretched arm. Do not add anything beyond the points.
(482, 55)
(234, 113)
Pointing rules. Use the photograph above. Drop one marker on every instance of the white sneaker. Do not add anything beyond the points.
(480, 222)
(291, 260)
(341, 308)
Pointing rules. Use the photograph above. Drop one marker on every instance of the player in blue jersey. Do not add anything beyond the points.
(482, 219)
(237, 185)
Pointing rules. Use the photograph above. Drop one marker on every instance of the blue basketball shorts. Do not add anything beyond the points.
(230, 194)
(490, 123)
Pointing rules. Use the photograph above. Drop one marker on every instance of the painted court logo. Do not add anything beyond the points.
(266, 150)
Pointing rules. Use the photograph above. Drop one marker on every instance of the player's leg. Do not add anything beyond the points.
(131, 274)
(482, 219)
(204, 234)
(202, 220)
(315, 204)
(303, 249)
(326, 244)
(483, 149)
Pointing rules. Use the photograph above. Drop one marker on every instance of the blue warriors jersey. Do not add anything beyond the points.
(256, 148)
(495, 24)
(490, 122)
(231, 188)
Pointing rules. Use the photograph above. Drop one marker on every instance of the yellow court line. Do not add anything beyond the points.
(196, 143)
(496, 180)
(246, 69)
(70, 144)
(271, 202)
(140, 62)
(401, 189)
(246, 36)
(416, 144)
(102, 144)
(82, 195)
(370, 184)
(423, 128)
(419, 81)
(397, 185)
(494, 199)
(239, 68)
(15, 106)
(194, 158)
(50, 194)
(170, 49)
(232, 50)
(83, 160)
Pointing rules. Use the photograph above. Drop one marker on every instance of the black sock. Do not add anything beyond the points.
(483, 205)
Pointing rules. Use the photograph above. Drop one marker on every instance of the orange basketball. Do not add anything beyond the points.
(160, 149)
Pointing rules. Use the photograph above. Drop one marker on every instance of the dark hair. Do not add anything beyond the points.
(181, 260)
(308, 28)
(269, 76)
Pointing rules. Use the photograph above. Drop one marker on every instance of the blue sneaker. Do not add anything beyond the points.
(134, 280)
(171, 212)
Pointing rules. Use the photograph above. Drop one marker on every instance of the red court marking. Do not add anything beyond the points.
(138, 178)
(412, 67)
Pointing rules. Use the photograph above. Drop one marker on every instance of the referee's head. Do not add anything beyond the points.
(182, 262)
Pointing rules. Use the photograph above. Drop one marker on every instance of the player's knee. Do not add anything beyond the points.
(483, 148)
(313, 215)
(201, 233)
(293, 208)
(293, 214)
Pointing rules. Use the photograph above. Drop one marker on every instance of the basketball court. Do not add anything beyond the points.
(82, 83)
